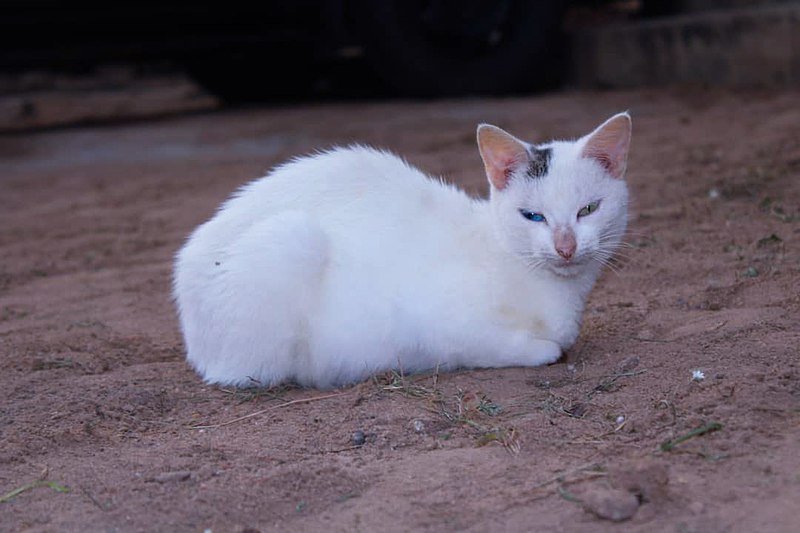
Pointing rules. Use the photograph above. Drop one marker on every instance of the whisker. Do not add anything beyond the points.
(614, 258)
(611, 265)
(614, 253)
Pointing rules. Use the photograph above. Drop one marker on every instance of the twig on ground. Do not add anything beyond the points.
(560, 477)
(93, 499)
(642, 339)
(249, 394)
(346, 449)
(606, 383)
(270, 408)
(567, 495)
(41, 483)
(668, 445)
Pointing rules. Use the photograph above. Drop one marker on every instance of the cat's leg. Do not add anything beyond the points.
(269, 277)
(351, 338)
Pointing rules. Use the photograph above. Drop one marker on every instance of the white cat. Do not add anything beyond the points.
(350, 262)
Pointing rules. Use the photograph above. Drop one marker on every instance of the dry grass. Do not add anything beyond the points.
(465, 409)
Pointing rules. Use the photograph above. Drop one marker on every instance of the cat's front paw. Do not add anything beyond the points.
(544, 352)
(523, 349)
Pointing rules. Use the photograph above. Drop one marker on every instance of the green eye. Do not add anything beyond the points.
(588, 209)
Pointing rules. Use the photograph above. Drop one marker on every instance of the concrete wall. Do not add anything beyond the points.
(741, 47)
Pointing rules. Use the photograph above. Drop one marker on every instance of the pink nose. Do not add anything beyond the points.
(564, 241)
(566, 252)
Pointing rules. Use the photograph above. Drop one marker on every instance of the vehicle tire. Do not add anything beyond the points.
(468, 47)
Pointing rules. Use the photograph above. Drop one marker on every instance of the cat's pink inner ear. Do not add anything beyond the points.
(502, 154)
(609, 144)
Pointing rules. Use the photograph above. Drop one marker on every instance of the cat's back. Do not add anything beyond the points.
(345, 189)
(340, 177)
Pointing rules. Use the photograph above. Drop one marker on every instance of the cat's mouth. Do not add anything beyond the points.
(567, 269)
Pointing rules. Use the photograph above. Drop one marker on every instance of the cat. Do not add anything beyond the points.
(351, 262)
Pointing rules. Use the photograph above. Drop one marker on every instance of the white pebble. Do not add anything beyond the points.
(620, 419)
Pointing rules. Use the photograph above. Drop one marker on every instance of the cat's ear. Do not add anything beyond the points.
(502, 154)
(609, 143)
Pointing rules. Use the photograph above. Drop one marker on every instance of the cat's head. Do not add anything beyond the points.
(560, 205)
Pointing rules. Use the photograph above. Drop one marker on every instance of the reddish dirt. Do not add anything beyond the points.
(97, 396)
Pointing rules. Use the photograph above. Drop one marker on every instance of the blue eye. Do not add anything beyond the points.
(535, 217)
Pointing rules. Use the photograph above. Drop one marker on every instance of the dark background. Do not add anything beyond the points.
(247, 51)
(73, 63)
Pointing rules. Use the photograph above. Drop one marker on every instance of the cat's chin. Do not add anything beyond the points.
(568, 270)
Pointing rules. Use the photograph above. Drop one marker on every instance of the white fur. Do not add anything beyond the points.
(350, 262)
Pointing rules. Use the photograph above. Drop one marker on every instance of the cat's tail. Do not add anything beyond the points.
(246, 322)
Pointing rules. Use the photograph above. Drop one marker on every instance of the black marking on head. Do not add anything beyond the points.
(540, 162)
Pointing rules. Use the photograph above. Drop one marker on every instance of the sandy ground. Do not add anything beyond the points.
(99, 413)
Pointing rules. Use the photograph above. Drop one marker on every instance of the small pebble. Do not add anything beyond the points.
(750, 272)
(629, 363)
(697, 507)
(620, 419)
(419, 426)
(359, 438)
(168, 477)
(611, 504)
